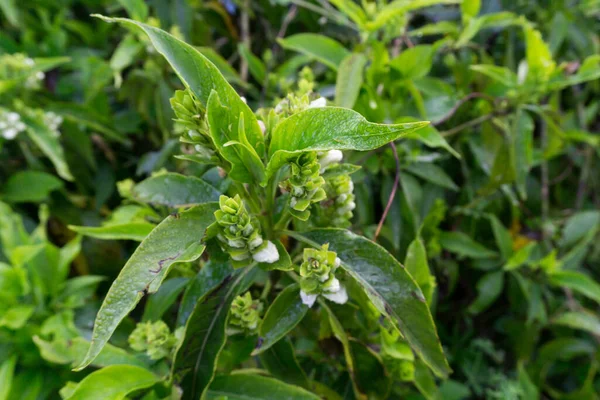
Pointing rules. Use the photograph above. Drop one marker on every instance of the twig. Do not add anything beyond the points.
(545, 193)
(468, 124)
(245, 22)
(462, 101)
(392, 193)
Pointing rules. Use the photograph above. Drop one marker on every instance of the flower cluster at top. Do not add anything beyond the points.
(317, 274)
(154, 338)
(245, 314)
(20, 68)
(239, 234)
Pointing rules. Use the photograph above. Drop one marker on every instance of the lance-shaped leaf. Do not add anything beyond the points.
(202, 77)
(330, 128)
(255, 387)
(196, 358)
(322, 48)
(115, 382)
(175, 190)
(128, 231)
(230, 138)
(49, 144)
(391, 289)
(280, 360)
(286, 311)
(176, 239)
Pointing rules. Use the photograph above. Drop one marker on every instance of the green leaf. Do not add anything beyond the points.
(502, 236)
(176, 239)
(520, 257)
(49, 144)
(137, 9)
(470, 9)
(584, 320)
(578, 282)
(414, 62)
(539, 58)
(425, 381)
(431, 137)
(30, 186)
(522, 142)
(129, 231)
(254, 387)
(349, 79)
(283, 315)
(230, 74)
(416, 264)
(321, 48)
(489, 287)
(578, 226)
(80, 114)
(159, 302)
(174, 190)
(462, 244)
(201, 77)
(330, 128)
(488, 21)
(281, 362)
(209, 277)
(500, 74)
(399, 7)
(370, 374)
(432, 173)
(255, 65)
(16, 316)
(352, 10)
(195, 360)
(230, 139)
(7, 369)
(391, 289)
(114, 382)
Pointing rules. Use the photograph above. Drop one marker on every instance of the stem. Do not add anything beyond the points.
(285, 219)
(392, 193)
(545, 181)
(474, 95)
(468, 124)
(245, 27)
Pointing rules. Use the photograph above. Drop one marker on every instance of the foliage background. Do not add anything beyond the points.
(499, 201)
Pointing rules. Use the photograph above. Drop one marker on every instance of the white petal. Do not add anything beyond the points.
(240, 257)
(262, 126)
(254, 243)
(268, 254)
(308, 299)
(337, 262)
(10, 133)
(340, 297)
(244, 99)
(334, 286)
(332, 156)
(320, 102)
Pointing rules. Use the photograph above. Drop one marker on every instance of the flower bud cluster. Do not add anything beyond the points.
(305, 184)
(245, 314)
(10, 124)
(153, 338)
(317, 274)
(397, 355)
(340, 193)
(191, 117)
(239, 234)
(19, 66)
(53, 122)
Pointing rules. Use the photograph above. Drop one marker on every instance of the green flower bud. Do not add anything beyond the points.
(240, 235)
(340, 193)
(245, 314)
(154, 338)
(305, 184)
(317, 274)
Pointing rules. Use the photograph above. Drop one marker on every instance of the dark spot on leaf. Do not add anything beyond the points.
(418, 296)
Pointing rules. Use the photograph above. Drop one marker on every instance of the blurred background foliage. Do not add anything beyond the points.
(494, 208)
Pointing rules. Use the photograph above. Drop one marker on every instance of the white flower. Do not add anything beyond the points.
(268, 254)
(262, 126)
(320, 102)
(11, 124)
(237, 243)
(244, 99)
(340, 297)
(29, 62)
(308, 299)
(332, 156)
(348, 207)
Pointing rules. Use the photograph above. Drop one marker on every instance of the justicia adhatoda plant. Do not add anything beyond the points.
(288, 198)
